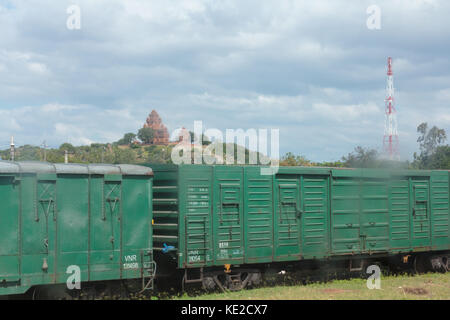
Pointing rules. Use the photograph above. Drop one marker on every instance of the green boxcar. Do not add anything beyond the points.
(206, 216)
(53, 216)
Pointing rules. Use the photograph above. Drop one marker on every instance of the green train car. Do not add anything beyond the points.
(60, 219)
(225, 225)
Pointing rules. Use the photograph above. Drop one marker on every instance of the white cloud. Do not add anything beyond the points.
(311, 69)
(57, 123)
(443, 95)
(37, 67)
(346, 113)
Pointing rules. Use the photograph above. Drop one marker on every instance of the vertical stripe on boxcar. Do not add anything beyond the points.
(195, 215)
(9, 229)
(72, 221)
(420, 198)
(345, 214)
(440, 209)
(258, 216)
(228, 221)
(399, 223)
(287, 221)
(315, 216)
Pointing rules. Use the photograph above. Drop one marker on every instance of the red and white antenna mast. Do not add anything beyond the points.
(390, 141)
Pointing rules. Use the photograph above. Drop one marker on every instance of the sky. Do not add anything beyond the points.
(312, 69)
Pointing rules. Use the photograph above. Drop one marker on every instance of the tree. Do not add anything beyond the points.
(158, 154)
(332, 164)
(146, 135)
(127, 139)
(123, 156)
(67, 146)
(28, 152)
(289, 159)
(361, 158)
(429, 141)
(440, 159)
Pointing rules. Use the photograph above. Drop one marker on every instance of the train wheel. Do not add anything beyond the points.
(439, 263)
(255, 279)
(446, 263)
(237, 281)
(240, 280)
(232, 281)
(55, 292)
(420, 264)
(132, 286)
(38, 294)
(208, 283)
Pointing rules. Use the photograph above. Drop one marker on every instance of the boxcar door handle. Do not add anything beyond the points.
(299, 211)
(52, 203)
(230, 204)
(220, 212)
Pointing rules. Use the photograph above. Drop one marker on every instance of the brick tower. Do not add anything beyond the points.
(161, 133)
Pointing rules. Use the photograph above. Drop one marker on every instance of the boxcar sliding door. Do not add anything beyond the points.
(46, 217)
(314, 219)
(228, 220)
(9, 229)
(420, 228)
(287, 218)
(258, 216)
(345, 213)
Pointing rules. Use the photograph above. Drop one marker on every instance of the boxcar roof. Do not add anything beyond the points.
(333, 171)
(72, 168)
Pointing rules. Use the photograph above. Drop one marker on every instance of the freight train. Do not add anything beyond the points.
(82, 224)
(223, 227)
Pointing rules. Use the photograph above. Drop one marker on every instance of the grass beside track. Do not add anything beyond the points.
(434, 286)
